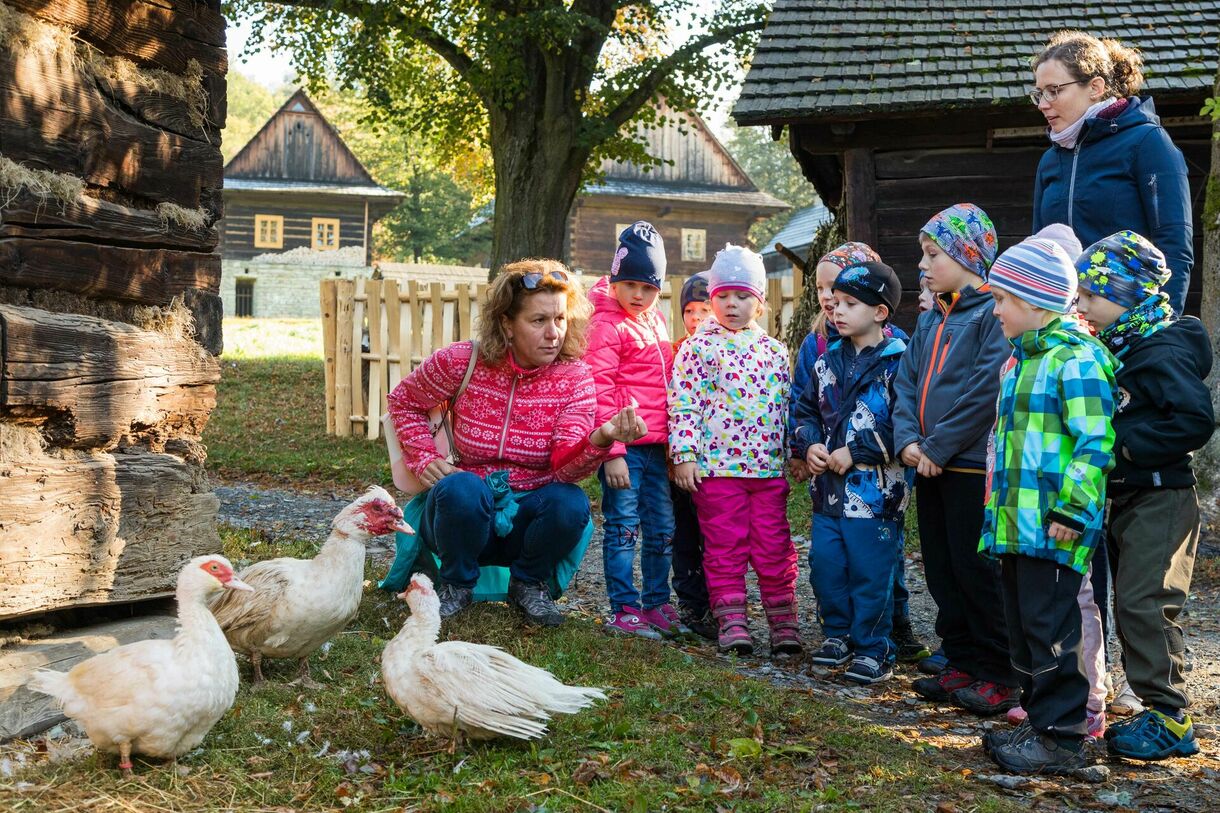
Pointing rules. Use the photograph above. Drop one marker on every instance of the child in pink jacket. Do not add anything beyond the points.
(631, 359)
(728, 406)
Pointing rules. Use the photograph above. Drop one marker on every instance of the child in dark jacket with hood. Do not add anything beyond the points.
(844, 433)
(945, 407)
(1164, 414)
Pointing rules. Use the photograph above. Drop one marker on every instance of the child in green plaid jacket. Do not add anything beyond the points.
(1051, 450)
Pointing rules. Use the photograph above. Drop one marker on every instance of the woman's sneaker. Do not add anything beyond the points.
(629, 621)
(941, 687)
(1125, 701)
(995, 738)
(867, 671)
(986, 699)
(665, 620)
(832, 652)
(1152, 735)
(1037, 754)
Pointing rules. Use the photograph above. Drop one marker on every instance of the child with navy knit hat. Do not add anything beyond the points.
(845, 433)
(690, 585)
(631, 359)
(1050, 451)
(946, 392)
(1164, 415)
(728, 405)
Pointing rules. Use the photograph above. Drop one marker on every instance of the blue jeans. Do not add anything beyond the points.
(459, 524)
(642, 511)
(851, 568)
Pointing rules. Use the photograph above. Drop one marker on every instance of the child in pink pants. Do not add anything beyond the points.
(728, 402)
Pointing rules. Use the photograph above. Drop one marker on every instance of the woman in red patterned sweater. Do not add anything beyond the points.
(527, 410)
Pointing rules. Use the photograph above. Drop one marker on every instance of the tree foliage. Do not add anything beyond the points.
(770, 164)
(547, 86)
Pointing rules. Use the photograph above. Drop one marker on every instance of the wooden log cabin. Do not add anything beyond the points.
(698, 199)
(900, 109)
(296, 184)
(110, 189)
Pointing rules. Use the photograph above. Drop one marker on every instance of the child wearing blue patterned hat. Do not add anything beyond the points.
(1164, 415)
(1049, 454)
(944, 407)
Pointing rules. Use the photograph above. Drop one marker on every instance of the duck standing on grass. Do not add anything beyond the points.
(301, 604)
(456, 688)
(158, 698)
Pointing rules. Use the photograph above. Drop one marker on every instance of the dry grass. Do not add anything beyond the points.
(16, 178)
(193, 219)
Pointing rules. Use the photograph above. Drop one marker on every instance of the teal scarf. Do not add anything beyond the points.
(1150, 316)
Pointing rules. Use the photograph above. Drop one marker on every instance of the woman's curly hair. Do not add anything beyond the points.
(1086, 56)
(506, 297)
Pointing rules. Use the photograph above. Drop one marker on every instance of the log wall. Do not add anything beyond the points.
(110, 191)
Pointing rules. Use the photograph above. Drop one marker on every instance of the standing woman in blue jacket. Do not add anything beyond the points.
(1111, 166)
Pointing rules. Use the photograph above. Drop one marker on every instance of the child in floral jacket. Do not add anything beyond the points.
(728, 402)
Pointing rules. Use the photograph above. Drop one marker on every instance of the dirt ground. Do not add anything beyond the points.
(1173, 785)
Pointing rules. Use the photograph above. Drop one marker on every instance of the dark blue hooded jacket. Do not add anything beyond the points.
(1124, 173)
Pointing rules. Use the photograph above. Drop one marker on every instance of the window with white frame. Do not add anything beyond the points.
(694, 245)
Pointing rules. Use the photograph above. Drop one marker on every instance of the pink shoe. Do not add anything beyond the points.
(664, 619)
(629, 621)
(1016, 715)
(1096, 721)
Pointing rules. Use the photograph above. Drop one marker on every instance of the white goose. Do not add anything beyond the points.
(457, 688)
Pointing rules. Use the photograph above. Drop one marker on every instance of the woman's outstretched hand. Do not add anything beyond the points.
(625, 427)
(435, 471)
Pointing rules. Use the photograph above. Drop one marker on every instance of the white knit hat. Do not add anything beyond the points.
(736, 267)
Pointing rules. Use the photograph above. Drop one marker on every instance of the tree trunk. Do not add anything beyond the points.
(538, 163)
(1209, 459)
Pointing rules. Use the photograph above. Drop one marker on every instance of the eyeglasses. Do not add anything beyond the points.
(530, 281)
(1051, 92)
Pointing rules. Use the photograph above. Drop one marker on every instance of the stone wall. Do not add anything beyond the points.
(281, 289)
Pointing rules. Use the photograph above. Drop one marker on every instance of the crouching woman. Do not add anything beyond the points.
(523, 436)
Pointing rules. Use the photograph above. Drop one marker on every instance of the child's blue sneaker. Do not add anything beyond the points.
(866, 670)
(832, 652)
(1152, 735)
(934, 664)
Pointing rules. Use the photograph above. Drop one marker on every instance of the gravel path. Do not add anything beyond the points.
(1178, 785)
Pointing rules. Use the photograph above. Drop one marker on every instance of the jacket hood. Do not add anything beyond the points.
(1188, 336)
(968, 298)
(1139, 111)
(602, 300)
(1062, 331)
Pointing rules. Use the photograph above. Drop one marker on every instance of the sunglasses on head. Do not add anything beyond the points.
(530, 281)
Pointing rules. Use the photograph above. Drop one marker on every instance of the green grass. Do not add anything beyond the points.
(269, 425)
(681, 731)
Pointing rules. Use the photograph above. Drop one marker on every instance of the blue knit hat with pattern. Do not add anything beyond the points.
(694, 289)
(640, 255)
(1124, 268)
(1038, 271)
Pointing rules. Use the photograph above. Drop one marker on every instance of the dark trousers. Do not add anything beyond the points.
(1044, 635)
(902, 596)
(459, 525)
(689, 583)
(964, 585)
(1153, 535)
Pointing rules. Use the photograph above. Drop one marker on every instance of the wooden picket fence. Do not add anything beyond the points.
(404, 322)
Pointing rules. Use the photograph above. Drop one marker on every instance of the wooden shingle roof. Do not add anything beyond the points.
(852, 59)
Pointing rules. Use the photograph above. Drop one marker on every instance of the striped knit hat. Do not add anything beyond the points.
(1038, 271)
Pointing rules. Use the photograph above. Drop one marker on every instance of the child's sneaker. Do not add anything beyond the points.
(867, 671)
(934, 664)
(942, 686)
(910, 648)
(664, 619)
(1096, 723)
(985, 698)
(832, 652)
(1038, 754)
(1016, 715)
(699, 621)
(1152, 735)
(1125, 701)
(628, 621)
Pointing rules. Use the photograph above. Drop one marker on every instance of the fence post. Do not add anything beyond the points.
(393, 330)
(345, 292)
(417, 324)
(358, 411)
(376, 359)
(437, 290)
(675, 305)
(328, 349)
